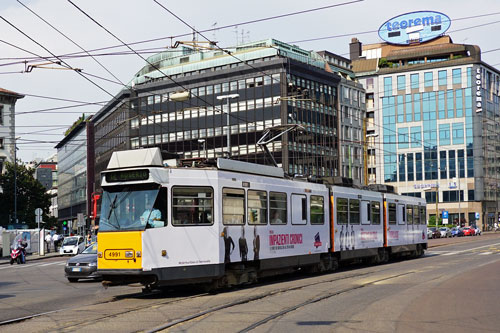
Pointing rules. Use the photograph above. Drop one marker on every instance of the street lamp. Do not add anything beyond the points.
(228, 98)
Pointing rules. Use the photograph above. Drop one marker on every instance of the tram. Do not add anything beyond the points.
(233, 222)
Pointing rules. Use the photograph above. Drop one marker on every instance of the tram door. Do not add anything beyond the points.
(409, 224)
(299, 209)
(402, 223)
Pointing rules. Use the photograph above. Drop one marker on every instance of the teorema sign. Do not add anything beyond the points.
(415, 27)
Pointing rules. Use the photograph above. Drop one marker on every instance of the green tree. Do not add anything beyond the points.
(30, 195)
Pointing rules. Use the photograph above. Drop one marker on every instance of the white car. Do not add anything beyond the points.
(72, 245)
(477, 231)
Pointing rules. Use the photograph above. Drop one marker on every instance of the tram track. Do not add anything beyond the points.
(85, 322)
(215, 309)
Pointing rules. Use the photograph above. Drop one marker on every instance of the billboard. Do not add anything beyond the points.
(414, 27)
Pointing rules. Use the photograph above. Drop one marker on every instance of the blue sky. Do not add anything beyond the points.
(134, 20)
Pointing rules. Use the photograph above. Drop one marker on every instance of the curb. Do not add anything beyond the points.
(5, 260)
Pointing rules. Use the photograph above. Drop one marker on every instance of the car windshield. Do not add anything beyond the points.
(432, 229)
(70, 241)
(92, 249)
(443, 229)
(127, 209)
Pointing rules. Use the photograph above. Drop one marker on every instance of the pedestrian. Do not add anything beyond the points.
(496, 226)
(89, 238)
(56, 239)
(48, 240)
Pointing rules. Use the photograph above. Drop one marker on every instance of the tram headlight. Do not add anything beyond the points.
(129, 254)
(99, 254)
(138, 254)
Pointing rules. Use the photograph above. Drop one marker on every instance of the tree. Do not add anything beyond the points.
(30, 195)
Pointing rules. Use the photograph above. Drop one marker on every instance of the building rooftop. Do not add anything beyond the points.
(10, 93)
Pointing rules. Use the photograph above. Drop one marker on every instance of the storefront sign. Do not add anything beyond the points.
(415, 27)
(424, 186)
(479, 97)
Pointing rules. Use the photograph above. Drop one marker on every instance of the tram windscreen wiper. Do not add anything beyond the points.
(112, 207)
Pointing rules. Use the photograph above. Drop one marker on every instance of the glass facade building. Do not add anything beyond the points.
(437, 110)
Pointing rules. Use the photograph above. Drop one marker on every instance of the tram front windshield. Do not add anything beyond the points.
(131, 209)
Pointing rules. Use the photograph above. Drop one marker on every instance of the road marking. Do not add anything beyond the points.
(52, 263)
(485, 253)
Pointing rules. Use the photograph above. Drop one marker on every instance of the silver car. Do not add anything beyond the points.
(445, 232)
(83, 265)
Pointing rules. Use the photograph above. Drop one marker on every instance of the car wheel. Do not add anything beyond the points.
(72, 280)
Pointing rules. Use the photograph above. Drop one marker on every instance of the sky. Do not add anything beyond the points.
(55, 98)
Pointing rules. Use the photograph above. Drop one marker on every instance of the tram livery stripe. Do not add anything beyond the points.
(332, 224)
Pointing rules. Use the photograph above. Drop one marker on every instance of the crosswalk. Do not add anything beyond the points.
(469, 253)
(31, 265)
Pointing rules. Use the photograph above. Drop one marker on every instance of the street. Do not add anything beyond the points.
(433, 293)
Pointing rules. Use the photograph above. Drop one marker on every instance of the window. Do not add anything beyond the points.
(317, 209)
(444, 134)
(457, 76)
(402, 217)
(409, 213)
(428, 79)
(414, 81)
(442, 78)
(387, 86)
(299, 209)
(342, 211)
(1, 146)
(375, 206)
(458, 133)
(401, 82)
(192, 205)
(354, 211)
(392, 213)
(1, 115)
(278, 207)
(416, 215)
(423, 215)
(257, 207)
(233, 206)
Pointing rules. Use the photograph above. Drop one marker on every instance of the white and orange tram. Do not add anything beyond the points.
(234, 222)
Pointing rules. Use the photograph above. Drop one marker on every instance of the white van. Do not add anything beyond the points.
(72, 245)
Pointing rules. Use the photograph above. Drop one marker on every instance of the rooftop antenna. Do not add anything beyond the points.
(236, 33)
(214, 30)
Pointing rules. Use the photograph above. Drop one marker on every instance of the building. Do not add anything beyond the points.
(352, 111)
(182, 101)
(75, 176)
(8, 101)
(46, 173)
(432, 125)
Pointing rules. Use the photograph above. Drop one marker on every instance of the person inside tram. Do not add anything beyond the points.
(152, 216)
(276, 218)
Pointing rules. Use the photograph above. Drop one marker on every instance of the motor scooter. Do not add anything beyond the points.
(17, 254)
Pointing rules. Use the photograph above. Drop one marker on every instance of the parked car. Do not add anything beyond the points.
(445, 232)
(83, 265)
(456, 232)
(435, 232)
(429, 233)
(72, 245)
(477, 231)
(468, 231)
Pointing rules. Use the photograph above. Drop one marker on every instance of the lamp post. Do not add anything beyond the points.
(228, 98)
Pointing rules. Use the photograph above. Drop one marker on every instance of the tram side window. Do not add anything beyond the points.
(317, 209)
(409, 213)
(353, 211)
(367, 217)
(392, 213)
(299, 209)
(416, 215)
(375, 212)
(423, 215)
(402, 216)
(342, 210)
(192, 205)
(157, 217)
(233, 206)
(277, 207)
(257, 207)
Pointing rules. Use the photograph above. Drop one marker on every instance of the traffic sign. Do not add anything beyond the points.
(445, 214)
(38, 212)
(477, 215)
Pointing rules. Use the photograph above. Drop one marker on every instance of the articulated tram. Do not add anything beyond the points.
(233, 222)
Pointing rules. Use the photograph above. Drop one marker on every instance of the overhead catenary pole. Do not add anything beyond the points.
(228, 98)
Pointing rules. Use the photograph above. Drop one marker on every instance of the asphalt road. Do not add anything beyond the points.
(453, 288)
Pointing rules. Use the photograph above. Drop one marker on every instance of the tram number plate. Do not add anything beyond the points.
(117, 254)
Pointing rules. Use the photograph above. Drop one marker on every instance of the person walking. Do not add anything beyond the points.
(48, 240)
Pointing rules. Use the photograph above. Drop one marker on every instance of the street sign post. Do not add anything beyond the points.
(38, 217)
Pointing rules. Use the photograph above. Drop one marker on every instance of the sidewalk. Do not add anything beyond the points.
(32, 257)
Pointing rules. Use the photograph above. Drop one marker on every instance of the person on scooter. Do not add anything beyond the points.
(23, 246)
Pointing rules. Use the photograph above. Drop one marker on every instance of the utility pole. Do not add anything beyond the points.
(228, 99)
(15, 179)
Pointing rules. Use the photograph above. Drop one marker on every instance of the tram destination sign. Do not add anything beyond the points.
(414, 27)
(127, 176)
